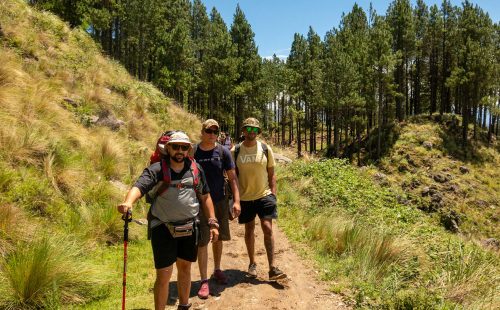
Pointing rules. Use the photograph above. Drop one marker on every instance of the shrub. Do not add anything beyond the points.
(45, 273)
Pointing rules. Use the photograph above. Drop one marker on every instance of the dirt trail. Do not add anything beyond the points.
(301, 291)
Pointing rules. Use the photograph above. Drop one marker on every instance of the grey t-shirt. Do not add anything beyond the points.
(177, 203)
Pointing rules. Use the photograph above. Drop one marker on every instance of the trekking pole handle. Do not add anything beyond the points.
(127, 218)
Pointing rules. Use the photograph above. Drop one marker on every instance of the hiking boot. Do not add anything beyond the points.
(276, 274)
(252, 270)
(184, 307)
(220, 277)
(204, 291)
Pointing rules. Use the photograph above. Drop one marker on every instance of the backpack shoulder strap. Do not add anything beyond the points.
(166, 177)
(166, 171)
(265, 150)
(236, 151)
(195, 172)
(221, 152)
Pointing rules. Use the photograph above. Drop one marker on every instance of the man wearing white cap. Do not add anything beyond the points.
(180, 187)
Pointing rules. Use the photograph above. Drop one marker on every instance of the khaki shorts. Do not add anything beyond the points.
(222, 215)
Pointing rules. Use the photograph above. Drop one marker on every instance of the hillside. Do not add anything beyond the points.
(428, 164)
(76, 130)
(418, 231)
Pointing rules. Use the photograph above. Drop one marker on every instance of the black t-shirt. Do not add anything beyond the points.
(214, 163)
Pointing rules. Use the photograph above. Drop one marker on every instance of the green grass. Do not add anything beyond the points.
(376, 251)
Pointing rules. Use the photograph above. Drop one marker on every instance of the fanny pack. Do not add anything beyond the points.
(182, 229)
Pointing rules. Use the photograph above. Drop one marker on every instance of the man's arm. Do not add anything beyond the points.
(271, 178)
(233, 182)
(208, 208)
(132, 196)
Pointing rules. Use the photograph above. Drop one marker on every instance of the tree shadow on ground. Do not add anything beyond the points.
(389, 134)
(451, 134)
(235, 277)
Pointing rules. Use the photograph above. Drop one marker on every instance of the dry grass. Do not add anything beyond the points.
(14, 228)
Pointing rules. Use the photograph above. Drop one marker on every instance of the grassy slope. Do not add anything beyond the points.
(379, 242)
(57, 169)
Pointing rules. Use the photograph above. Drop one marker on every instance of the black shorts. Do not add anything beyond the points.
(166, 249)
(265, 207)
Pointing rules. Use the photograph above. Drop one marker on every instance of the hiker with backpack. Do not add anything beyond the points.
(218, 165)
(257, 184)
(178, 186)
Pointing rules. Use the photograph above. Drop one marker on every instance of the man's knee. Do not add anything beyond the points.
(163, 275)
(183, 265)
(267, 228)
(250, 227)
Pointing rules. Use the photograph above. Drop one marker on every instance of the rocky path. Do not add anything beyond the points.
(302, 290)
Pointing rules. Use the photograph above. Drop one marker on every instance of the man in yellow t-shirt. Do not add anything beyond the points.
(257, 181)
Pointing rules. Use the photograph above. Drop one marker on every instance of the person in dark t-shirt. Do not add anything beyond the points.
(216, 161)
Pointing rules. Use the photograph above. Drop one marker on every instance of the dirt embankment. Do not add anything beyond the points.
(302, 290)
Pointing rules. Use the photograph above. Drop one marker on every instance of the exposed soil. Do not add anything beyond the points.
(302, 289)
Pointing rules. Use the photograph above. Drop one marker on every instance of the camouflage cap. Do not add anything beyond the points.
(209, 123)
(251, 122)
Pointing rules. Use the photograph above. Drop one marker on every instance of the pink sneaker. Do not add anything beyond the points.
(220, 277)
(204, 291)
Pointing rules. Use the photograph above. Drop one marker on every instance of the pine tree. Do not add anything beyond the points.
(382, 60)
(248, 63)
(219, 70)
(296, 63)
(399, 17)
(313, 93)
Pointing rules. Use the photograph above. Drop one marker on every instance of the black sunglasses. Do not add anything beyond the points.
(254, 129)
(210, 131)
(176, 147)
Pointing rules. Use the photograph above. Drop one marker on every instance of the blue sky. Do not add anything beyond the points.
(274, 22)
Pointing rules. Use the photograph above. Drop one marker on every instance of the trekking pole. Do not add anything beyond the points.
(127, 217)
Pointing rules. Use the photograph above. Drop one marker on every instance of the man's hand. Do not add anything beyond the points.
(236, 209)
(214, 234)
(124, 207)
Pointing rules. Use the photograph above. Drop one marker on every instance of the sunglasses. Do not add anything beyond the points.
(210, 131)
(176, 147)
(254, 129)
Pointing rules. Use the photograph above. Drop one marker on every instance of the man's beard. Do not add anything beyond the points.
(176, 159)
(251, 137)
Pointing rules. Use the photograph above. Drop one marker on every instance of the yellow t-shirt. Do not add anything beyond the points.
(252, 168)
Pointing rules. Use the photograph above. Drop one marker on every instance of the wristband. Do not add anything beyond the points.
(213, 223)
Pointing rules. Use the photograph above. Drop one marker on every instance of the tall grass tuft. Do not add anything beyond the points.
(13, 228)
(45, 273)
(108, 158)
(373, 252)
(100, 223)
(468, 271)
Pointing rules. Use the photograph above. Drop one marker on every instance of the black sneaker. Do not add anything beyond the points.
(276, 274)
(252, 270)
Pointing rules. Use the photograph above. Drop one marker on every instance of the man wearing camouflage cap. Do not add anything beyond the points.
(217, 162)
(257, 181)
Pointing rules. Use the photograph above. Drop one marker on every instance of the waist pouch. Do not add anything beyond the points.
(182, 229)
